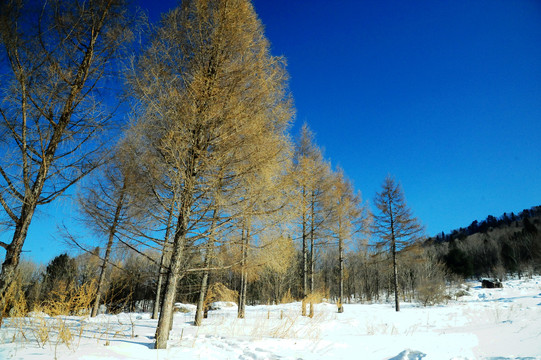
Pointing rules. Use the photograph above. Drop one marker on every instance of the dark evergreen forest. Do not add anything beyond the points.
(494, 247)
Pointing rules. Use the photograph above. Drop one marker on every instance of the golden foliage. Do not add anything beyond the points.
(276, 253)
(68, 300)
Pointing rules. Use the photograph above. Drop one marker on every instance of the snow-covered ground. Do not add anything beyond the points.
(485, 324)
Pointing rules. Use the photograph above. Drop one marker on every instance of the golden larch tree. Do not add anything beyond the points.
(215, 108)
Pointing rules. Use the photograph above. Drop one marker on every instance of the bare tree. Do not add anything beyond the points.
(213, 101)
(55, 58)
(394, 225)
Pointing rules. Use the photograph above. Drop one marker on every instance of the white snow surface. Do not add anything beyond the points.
(494, 324)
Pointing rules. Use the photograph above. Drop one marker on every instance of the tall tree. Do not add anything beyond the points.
(394, 225)
(262, 228)
(348, 220)
(106, 203)
(311, 181)
(215, 109)
(55, 58)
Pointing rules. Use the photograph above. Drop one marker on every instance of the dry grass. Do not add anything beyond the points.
(311, 299)
(15, 303)
(432, 292)
(68, 300)
(287, 298)
(340, 306)
(277, 325)
(49, 323)
(220, 292)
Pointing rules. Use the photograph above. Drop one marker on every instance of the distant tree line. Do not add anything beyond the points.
(493, 247)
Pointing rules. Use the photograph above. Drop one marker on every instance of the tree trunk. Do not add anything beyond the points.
(242, 295)
(199, 312)
(165, 318)
(395, 278)
(304, 260)
(244, 275)
(341, 265)
(13, 253)
(312, 252)
(304, 254)
(112, 231)
(165, 321)
(393, 251)
(162, 272)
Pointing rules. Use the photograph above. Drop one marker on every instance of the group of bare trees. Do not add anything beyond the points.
(203, 179)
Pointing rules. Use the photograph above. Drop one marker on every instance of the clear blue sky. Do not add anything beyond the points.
(444, 95)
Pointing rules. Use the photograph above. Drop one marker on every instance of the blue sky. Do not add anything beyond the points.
(444, 95)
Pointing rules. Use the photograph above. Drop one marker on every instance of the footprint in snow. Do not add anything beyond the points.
(257, 354)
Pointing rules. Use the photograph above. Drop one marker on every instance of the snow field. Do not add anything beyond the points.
(484, 324)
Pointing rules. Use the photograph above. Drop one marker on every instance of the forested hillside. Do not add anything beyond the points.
(493, 247)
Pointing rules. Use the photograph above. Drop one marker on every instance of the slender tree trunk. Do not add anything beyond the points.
(244, 275)
(395, 277)
(377, 290)
(341, 265)
(312, 252)
(162, 272)
(103, 271)
(244, 286)
(305, 287)
(304, 254)
(393, 251)
(200, 311)
(165, 320)
(352, 284)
